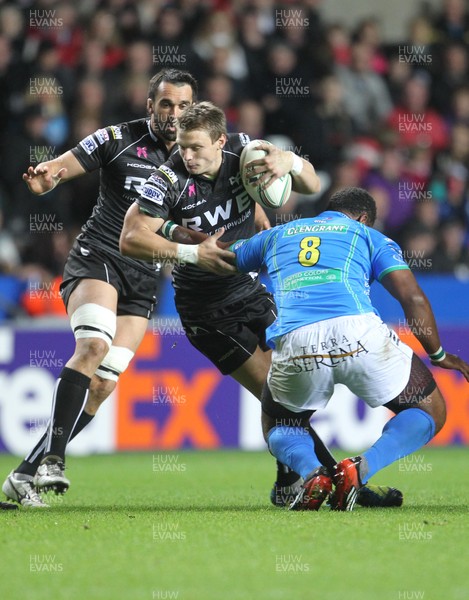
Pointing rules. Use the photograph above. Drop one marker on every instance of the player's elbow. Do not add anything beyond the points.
(128, 243)
(411, 293)
(414, 300)
(311, 185)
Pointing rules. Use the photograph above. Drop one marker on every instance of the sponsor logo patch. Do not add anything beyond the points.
(116, 132)
(152, 193)
(170, 174)
(88, 144)
(102, 136)
(244, 139)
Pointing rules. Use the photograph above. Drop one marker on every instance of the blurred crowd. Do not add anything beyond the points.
(391, 117)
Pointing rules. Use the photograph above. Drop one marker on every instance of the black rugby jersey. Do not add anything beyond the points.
(204, 205)
(126, 154)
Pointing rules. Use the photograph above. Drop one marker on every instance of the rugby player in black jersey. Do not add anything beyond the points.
(200, 188)
(109, 298)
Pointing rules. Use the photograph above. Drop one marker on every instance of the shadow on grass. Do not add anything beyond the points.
(132, 510)
(143, 509)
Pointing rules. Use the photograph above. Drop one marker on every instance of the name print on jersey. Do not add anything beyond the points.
(327, 356)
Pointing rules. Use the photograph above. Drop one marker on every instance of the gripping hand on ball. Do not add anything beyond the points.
(275, 164)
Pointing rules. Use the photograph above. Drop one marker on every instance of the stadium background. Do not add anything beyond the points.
(379, 102)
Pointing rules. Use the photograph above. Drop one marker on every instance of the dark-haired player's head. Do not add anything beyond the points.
(170, 91)
(201, 135)
(174, 77)
(356, 203)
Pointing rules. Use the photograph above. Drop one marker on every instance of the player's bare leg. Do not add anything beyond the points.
(129, 333)
(91, 308)
(92, 311)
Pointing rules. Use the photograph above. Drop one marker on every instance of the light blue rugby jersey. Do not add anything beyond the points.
(320, 267)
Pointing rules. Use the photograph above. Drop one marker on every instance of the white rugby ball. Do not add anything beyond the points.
(274, 195)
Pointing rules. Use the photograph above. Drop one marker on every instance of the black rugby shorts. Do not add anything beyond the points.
(136, 289)
(229, 335)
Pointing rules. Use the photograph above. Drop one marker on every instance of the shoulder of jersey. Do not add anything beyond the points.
(113, 132)
(236, 142)
(169, 174)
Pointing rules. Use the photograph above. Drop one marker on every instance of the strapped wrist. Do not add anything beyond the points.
(297, 165)
(187, 253)
(438, 356)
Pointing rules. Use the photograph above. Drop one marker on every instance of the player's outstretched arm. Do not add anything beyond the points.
(138, 240)
(420, 318)
(277, 163)
(47, 175)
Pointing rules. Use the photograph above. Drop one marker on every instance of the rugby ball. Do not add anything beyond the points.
(274, 195)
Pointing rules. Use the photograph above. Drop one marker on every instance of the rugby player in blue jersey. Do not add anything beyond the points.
(201, 192)
(327, 332)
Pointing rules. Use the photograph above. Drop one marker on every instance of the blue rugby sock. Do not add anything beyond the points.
(294, 447)
(403, 434)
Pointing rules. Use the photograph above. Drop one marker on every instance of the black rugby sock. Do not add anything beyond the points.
(71, 393)
(33, 460)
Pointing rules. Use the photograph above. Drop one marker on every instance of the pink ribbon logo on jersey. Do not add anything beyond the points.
(192, 190)
(142, 152)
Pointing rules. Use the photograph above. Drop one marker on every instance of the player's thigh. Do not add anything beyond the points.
(92, 291)
(252, 374)
(130, 331)
(299, 379)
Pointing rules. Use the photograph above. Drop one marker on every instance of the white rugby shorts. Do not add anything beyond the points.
(359, 351)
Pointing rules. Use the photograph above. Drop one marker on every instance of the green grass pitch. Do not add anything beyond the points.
(199, 526)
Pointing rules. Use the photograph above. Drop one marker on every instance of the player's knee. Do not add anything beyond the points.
(434, 405)
(91, 350)
(94, 327)
(114, 363)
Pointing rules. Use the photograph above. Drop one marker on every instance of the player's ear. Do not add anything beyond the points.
(149, 106)
(222, 141)
(363, 218)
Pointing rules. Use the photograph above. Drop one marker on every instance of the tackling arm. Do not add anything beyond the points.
(138, 240)
(403, 286)
(180, 234)
(47, 175)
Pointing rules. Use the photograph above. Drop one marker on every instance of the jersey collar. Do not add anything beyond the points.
(154, 137)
